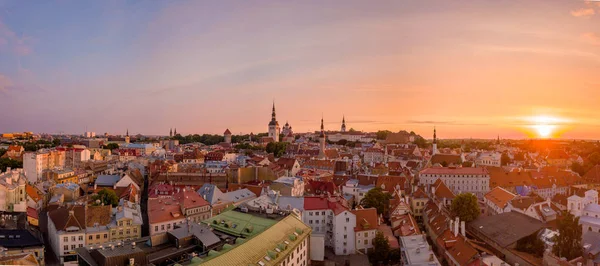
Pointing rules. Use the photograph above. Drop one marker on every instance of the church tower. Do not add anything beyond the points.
(434, 151)
(171, 132)
(274, 129)
(322, 139)
(343, 123)
(127, 137)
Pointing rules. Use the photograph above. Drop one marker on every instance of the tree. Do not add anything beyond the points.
(111, 146)
(381, 249)
(7, 162)
(56, 142)
(531, 244)
(2, 152)
(578, 168)
(106, 197)
(465, 206)
(382, 134)
(342, 142)
(504, 159)
(568, 242)
(376, 198)
(277, 148)
(420, 142)
(351, 130)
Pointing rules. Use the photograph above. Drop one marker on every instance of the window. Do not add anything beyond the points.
(309, 213)
(345, 236)
(162, 227)
(73, 238)
(347, 220)
(91, 237)
(66, 247)
(120, 223)
(135, 230)
(66, 239)
(168, 226)
(80, 245)
(97, 236)
(309, 221)
(73, 246)
(322, 213)
(366, 241)
(120, 232)
(105, 236)
(317, 221)
(128, 232)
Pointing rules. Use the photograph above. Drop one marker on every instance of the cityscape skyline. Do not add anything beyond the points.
(205, 67)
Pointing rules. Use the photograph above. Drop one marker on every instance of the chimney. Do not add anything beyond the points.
(451, 224)
(431, 257)
(462, 228)
(132, 245)
(95, 186)
(131, 261)
(456, 224)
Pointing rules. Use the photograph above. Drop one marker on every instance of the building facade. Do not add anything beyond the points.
(474, 180)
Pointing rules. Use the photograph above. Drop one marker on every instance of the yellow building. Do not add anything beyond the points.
(97, 220)
(127, 223)
(419, 200)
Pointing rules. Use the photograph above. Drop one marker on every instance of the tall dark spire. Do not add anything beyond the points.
(127, 134)
(322, 135)
(434, 136)
(273, 117)
(171, 132)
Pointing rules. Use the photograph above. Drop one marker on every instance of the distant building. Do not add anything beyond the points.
(497, 199)
(458, 179)
(416, 251)
(35, 163)
(227, 136)
(489, 159)
(274, 129)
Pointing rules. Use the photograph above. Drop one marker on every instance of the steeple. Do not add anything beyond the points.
(273, 117)
(171, 132)
(322, 141)
(434, 150)
(127, 134)
(343, 123)
(175, 133)
(127, 139)
(274, 129)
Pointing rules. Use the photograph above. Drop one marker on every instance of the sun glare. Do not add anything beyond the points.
(545, 126)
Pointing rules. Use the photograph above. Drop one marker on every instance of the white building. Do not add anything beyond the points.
(590, 218)
(329, 217)
(293, 185)
(489, 159)
(35, 163)
(416, 251)
(497, 199)
(474, 180)
(352, 187)
(367, 223)
(13, 197)
(163, 215)
(373, 155)
(66, 231)
(576, 204)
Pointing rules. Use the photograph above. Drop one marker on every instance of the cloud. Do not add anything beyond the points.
(454, 123)
(19, 45)
(583, 12)
(5, 84)
(591, 38)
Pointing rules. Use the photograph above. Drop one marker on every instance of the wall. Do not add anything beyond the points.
(317, 247)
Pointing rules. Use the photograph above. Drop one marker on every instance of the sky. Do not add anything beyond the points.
(477, 69)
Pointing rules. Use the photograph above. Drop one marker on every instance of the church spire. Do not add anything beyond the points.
(171, 132)
(127, 134)
(273, 117)
(343, 123)
(434, 136)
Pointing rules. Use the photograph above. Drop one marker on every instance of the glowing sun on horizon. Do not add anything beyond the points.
(545, 126)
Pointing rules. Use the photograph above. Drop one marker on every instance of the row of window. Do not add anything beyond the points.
(66, 238)
(66, 247)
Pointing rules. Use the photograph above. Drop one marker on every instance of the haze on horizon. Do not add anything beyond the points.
(473, 69)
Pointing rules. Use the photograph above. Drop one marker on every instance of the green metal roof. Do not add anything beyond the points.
(239, 223)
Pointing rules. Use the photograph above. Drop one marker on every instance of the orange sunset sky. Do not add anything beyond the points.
(476, 69)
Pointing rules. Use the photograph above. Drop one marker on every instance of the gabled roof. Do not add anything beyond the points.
(33, 192)
(336, 204)
(499, 196)
(189, 199)
(442, 191)
(419, 194)
(593, 175)
(63, 219)
(286, 163)
(447, 158)
(390, 183)
(107, 180)
(99, 215)
(366, 219)
(319, 187)
(227, 132)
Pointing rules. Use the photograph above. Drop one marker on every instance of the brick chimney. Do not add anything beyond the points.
(456, 224)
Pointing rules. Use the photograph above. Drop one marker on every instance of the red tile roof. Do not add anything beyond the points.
(593, 175)
(406, 225)
(319, 187)
(162, 210)
(499, 196)
(189, 199)
(33, 192)
(336, 204)
(442, 191)
(33, 213)
(366, 219)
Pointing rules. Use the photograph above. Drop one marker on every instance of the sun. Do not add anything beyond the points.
(545, 126)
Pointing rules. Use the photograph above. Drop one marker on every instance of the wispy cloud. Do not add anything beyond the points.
(453, 123)
(583, 12)
(5, 84)
(591, 38)
(20, 45)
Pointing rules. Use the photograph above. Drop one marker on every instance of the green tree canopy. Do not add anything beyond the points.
(504, 159)
(107, 197)
(568, 242)
(111, 146)
(382, 134)
(377, 199)
(465, 206)
(277, 148)
(7, 162)
(381, 249)
(2, 152)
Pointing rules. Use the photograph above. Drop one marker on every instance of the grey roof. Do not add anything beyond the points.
(592, 207)
(294, 202)
(506, 228)
(239, 195)
(107, 180)
(211, 193)
(589, 220)
(591, 242)
(201, 231)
